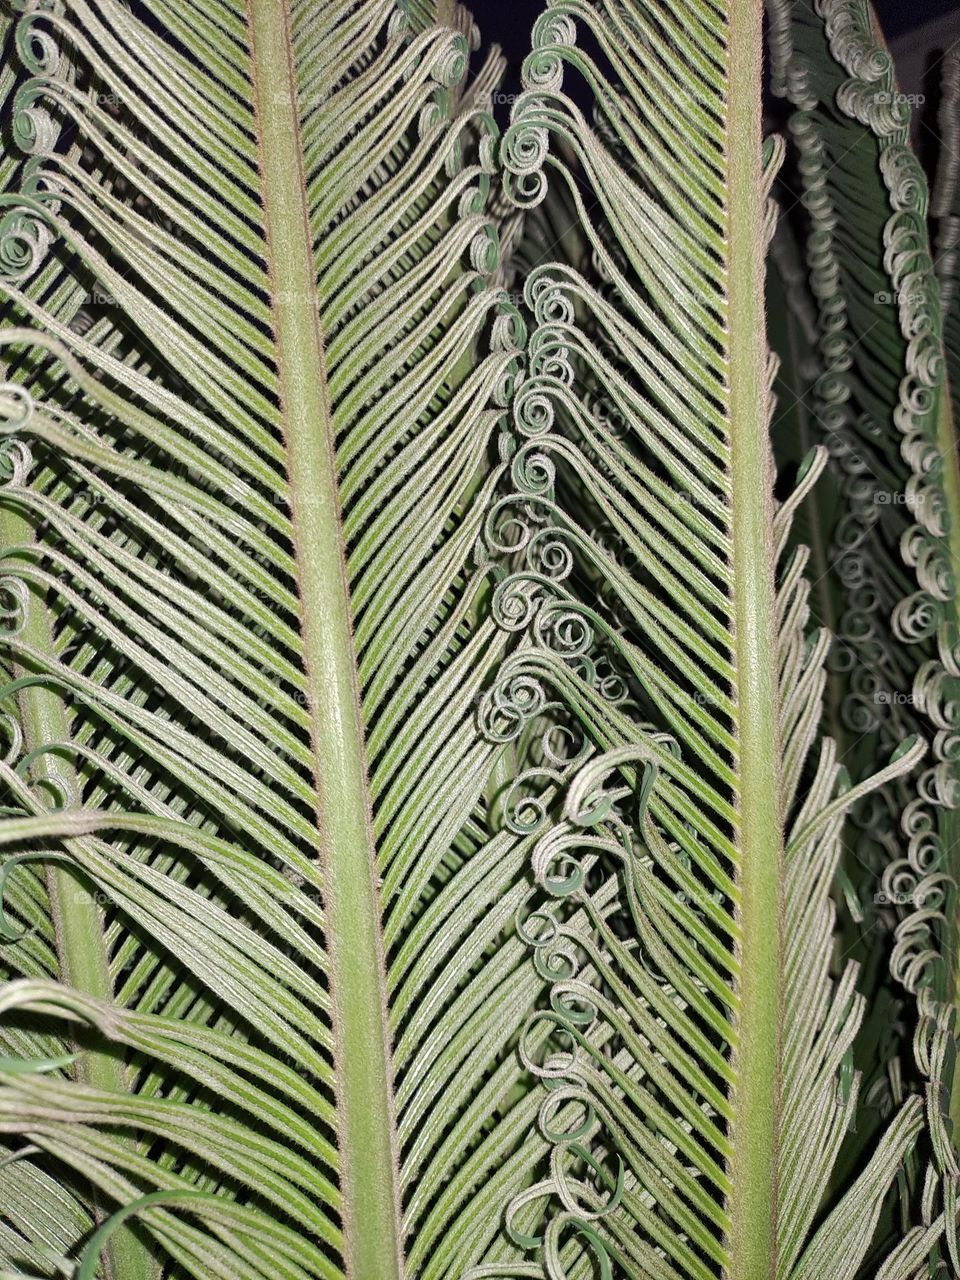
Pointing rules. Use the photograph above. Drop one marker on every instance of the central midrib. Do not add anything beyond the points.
(757, 1056)
(366, 1139)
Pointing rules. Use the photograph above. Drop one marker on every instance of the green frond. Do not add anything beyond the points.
(426, 799)
(904, 341)
(642, 530)
(242, 574)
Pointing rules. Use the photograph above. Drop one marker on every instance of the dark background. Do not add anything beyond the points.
(900, 16)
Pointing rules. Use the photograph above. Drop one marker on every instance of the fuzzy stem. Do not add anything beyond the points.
(757, 1050)
(368, 1159)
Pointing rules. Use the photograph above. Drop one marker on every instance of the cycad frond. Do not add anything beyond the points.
(262, 633)
(650, 395)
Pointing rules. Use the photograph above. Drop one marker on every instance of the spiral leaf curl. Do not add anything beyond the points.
(648, 586)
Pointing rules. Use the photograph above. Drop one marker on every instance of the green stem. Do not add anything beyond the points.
(368, 1161)
(757, 1050)
(78, 928)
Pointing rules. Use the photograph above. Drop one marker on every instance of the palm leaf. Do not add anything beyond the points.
(714, 1120)
(250, 718)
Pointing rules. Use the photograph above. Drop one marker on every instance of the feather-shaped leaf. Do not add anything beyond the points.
(707, 1059)
(242, 583)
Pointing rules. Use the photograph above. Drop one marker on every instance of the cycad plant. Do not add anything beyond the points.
(480, 648)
